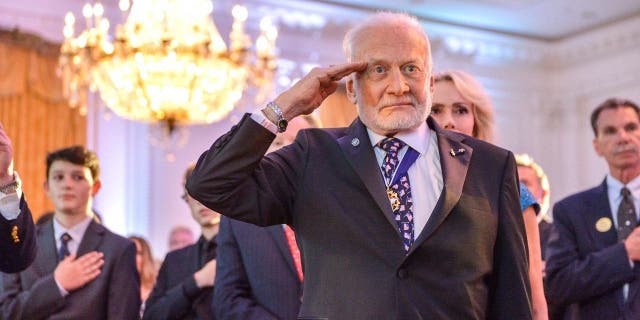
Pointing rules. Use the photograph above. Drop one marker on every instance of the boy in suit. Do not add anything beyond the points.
(82, 270)
(184, 287)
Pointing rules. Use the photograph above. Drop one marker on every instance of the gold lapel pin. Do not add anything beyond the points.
(603, 224)
(456, 152)
(14, 234)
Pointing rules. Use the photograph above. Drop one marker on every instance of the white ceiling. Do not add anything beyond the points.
(536, 19)
(539, 19)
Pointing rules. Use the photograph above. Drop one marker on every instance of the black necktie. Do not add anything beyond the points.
(64, 248)
(627, 220)
(202, 305)
(210, 250)
(207, 252)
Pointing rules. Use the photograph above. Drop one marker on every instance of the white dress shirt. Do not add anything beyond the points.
(76, 232)
(425, 175)
(10, 203)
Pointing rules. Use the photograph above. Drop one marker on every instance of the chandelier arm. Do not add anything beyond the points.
(192, 87)
(143, 87)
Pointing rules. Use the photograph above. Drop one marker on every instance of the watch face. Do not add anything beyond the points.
(10, 188)
(282, 125)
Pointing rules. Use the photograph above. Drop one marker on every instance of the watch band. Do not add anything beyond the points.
(280, 122)
(11, 187)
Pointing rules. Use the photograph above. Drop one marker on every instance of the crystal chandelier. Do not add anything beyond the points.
(167, 63)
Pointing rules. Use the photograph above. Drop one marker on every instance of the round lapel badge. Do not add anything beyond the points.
(603, 224)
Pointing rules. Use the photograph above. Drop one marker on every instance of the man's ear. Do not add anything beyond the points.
(596, 146)
(96, 187)
(45, 187)
(351, 93)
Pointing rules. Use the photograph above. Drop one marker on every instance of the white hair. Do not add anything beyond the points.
(383, 18)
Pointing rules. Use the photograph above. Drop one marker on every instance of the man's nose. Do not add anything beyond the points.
(67, 181)
(398, 83)
(623, 135)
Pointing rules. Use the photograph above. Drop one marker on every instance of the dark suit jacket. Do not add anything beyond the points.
(17, 256)
(255, 277)
(114, 294)
(469, 262)
(587, 266)
(176, 295)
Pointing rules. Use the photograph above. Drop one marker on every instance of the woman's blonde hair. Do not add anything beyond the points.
(470, 89)
(149, 273)
(525, 160)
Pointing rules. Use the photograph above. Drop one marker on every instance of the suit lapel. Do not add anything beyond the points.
(358, 151)
(600, 209)
(193, 256)
(47, 258)
(454, 172)
(91, 239)
(277, 234)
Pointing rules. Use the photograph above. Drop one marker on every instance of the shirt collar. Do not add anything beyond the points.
(76, 232)
(417, 138)
(202, 241)
(614, 186)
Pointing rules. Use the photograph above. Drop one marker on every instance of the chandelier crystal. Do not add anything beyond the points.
(167, 63)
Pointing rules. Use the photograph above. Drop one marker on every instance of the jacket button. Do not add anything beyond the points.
(403, 273)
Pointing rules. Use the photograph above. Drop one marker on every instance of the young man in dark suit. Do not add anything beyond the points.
(184, 287)
(82, 270)
(259, 273)
(594, 253)
(396, 217)
(17, 231)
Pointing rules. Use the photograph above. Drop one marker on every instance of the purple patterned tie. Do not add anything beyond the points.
(398, 190)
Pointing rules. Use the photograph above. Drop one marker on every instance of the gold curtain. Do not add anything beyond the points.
(337, 110)
(33, 110)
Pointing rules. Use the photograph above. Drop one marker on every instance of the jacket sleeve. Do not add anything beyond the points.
(124, 287)
(39, 302)
(166, 302)
(236, 179)
(233, 298)
(510, 292)
(572, 277)
(17, 256)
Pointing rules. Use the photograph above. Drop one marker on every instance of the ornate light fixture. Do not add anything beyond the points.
(167, 63)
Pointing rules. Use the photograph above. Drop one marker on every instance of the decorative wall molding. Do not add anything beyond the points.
(480, 46)
(619, 37)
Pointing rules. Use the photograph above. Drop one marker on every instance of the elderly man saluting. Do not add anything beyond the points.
(395, 217)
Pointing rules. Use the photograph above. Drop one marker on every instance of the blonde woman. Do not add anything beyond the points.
(146, 268)
(460, 104)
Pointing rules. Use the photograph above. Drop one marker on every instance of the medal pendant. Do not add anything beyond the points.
(393, 199)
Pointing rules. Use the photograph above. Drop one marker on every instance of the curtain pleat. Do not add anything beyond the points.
(34, 113)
